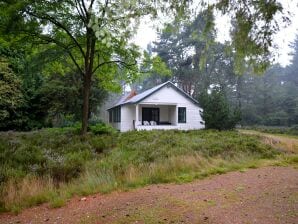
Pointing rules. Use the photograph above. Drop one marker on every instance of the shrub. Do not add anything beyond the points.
(67, 167)
(217, 112)
(102, 128)
(103, 142)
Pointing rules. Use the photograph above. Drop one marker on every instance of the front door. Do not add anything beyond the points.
(150, 114)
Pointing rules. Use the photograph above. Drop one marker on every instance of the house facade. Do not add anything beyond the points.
(162, 107)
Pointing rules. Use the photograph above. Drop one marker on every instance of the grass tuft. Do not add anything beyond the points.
(57, 202)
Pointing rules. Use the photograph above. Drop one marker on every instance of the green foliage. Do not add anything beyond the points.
(61, 96)
(275, 129)
(54, 153)
(102, 128)
(254, 24)
(57, 163)
(154, 71)
(217, 113)
(57, 203)
(155, 65)
(270, 99)
(196, 60)
(11, 96)
(48, 97)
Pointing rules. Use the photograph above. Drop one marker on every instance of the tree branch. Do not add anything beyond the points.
(104, 9)
(114, 62)
(60, 25)
(65, 47)
(91, 4)
(81, 11)
(84, 7)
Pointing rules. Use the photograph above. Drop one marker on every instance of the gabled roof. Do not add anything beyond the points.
(139, 97)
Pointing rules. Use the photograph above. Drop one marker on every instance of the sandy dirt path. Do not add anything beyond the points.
(264, 195)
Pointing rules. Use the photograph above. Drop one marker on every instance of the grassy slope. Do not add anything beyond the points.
(278, 141)
(287, 131)
(53, 165)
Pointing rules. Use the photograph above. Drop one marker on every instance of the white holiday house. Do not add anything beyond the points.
(163, 107)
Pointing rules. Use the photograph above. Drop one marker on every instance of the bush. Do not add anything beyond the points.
(67, 167)
(59, 153)
(102, 128)
(217, 113)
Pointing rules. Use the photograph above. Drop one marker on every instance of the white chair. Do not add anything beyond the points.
(152, 122)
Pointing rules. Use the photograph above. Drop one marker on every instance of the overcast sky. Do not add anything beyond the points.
(147, 33)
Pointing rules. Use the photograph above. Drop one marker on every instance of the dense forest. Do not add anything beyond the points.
(204, 69)
(32, 98)
(43, 83)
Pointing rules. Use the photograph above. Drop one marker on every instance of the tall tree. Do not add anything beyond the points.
(292, 69)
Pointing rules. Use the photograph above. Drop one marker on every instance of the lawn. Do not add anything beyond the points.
(53, 165)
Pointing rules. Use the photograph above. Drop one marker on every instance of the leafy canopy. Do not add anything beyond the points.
(114, 22)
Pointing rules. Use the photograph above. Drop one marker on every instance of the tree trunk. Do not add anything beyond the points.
(86, 95)
(87, 79)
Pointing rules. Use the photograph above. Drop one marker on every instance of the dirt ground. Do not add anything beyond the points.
(264, 195)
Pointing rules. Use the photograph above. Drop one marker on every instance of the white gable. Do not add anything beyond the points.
(167, 95)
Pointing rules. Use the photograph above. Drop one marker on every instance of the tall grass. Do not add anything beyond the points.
(53, 165)
(293, 130)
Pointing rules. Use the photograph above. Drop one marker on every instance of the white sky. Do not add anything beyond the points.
(147, 32)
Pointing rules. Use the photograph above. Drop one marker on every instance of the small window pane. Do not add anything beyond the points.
(110, 116)
(181, 114)
(116, 114)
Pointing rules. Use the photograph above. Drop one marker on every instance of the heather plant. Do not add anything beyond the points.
(58, 163)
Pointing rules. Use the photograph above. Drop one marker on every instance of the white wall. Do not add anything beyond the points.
(128, 115)
(169, 95)
(173, 115)
(116, 125)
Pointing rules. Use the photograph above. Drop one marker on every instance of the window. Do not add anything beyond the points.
(150, 114)
(115, 115)
(110, 116)
(181, 114)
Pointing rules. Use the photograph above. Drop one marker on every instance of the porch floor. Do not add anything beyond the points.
(156, 127)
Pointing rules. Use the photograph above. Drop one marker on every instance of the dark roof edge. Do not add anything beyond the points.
(166, 83)
(176, 88)
(161, 85)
